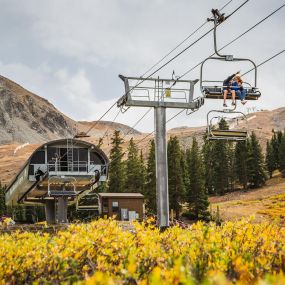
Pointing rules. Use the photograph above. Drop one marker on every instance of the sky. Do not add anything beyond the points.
(71, 52)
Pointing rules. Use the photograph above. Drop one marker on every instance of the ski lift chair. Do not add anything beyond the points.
(228, 135)
(81, 135)
(212, 89)
(62, 186)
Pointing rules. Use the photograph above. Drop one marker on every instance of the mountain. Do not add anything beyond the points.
(28, 118)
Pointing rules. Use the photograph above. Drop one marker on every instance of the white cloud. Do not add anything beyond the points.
(75, 87)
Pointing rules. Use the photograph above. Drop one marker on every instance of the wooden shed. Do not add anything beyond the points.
(125, 206)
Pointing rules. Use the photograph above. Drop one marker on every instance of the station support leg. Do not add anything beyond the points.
(161, 168)
(50, 211)
(62, 210)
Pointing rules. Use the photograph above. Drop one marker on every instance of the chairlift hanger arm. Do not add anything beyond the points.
(218, 18)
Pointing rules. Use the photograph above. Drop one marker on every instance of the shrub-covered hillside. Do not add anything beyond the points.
(102, 253)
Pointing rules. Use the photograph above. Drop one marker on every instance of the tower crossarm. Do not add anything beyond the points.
(158, 92)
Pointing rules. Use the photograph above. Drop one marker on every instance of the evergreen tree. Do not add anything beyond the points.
(184, 169)
(150, 188)
(241, 162)
(142, 178)
(221, 163)
(197, 197)
(232, 169)
(208, 161)
(117, 166)
(282, 155)
(176, 185)
(3, 209)
(270, 159)
(276, 142)
(100, 142)
(133, 171)
(256, 172)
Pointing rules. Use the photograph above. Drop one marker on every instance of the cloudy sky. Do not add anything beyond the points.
(71, 52)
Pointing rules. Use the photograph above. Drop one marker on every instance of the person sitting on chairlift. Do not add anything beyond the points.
(238, 88)
(227, 88)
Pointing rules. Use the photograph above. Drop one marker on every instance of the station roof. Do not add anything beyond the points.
(58, 142)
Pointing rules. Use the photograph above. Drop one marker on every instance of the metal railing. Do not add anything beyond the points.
(64, 166)
(74, 167)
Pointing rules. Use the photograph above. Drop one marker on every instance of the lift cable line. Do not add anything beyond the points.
(182, 42)
(139, 120)
(265, 61)
(96, 122)
(112, 123)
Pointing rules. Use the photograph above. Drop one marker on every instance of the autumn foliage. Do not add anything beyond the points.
(102, 253)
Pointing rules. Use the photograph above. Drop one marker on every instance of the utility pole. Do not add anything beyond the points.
(160, 94)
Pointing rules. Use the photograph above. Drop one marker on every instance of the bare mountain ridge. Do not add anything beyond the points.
(27, 117)
(101, 127)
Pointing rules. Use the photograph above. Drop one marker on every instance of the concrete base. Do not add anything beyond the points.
(56, 210)
(50, 211)
(62, 210)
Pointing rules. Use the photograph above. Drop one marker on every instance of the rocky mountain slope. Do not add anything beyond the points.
(28, 118)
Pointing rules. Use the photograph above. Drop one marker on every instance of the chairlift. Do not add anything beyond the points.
(81, 135)
(239, 134)
(89, 200)
(62, 186)
(212, 89)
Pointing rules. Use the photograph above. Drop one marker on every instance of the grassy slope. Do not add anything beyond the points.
(266, 203)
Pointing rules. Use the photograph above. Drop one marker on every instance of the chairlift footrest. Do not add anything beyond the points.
(62, 193)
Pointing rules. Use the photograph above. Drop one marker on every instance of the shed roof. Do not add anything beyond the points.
(121, 195)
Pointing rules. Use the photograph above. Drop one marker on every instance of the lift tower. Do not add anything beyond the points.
(160, 94)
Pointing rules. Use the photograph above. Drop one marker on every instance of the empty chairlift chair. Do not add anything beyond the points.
(236, 134)
(89, 200)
